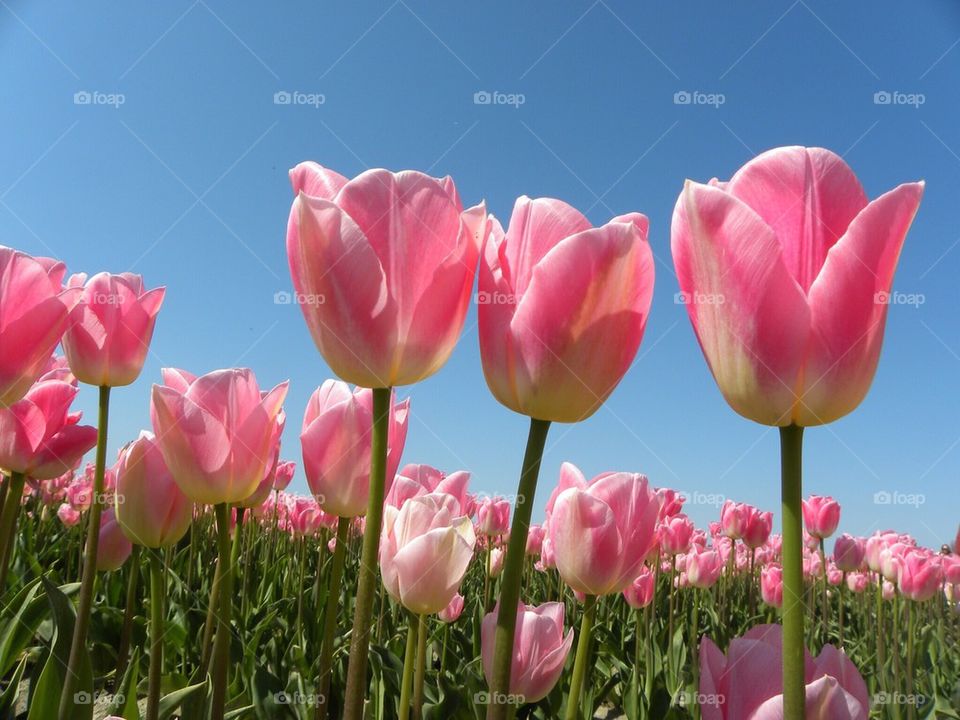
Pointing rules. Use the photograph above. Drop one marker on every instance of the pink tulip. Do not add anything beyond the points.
(875, 544)
(552, 290)
(425, 551)
(111, 327)
(849, 553)
(68, 516)
(215, 431)
(746, 684)
(858, 582)
(266, 484)
(39, 436)
(114, 548)
(150, 508)
(601, 533)
(671, 503)
(703, 568)
(786, 268)
(640, 592)
(535, 540)
(335, 439)
(540, 650)
(821, 515)
(756, 530)
(919, 575)
(496, 562)
(493, 516)
(771, 585)
(415, 480)
(951, 569)
(733, 519)
(284, 474)
(888, 590)
(383, 266)
(453, 609)
(676, 534)
(834, 575)
(34, 312)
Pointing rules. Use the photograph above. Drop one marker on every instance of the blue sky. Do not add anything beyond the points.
(176, 169)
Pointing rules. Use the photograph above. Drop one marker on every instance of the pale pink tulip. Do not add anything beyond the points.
(785, 270)
(821, 515)
(540, 650)
(415, 480)
(676, 535)
(215, 431)
(425, 551)
(554, 289)
(640, 592)
(496, 562)
(335, 439)
(34, 312)
(39, 436)
(919, 575)
(703, 569)
(284, 474)
(601, 534)
(150, 507)
(68, 516)
(746, 683)
(849, 553)
(535, 538)
(858, 582)
(110, 329)
(771, 585)
(493, 516)
(383, 266)
(266, 484)
(453, 609)
(114, 548)
(733, 518)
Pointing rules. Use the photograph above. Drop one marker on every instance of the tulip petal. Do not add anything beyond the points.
(586, 541)
(750, 316)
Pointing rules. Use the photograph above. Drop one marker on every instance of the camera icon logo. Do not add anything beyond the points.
(482, 97)
(282, 297)
(882, 97)
(82, 97)
(282, 97)
(682, 97)
(882, 497)
(82, 698)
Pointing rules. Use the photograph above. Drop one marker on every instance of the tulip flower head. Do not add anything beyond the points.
(553, 289)
(821, 515)
(785, 269)
(540, 650)
(414, 249)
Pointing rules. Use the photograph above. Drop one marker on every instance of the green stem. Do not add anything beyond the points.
(133, 570)
(513, 569)
(911, 705)
(695, 652)
(421, 667)
(840, 592)
(330, 618)
(214, 600)
(791, 469)
(406, 682)
(221, 647)
(578, 680)
(650, 637)
(88, 582)
(367, 581)
(157, 592)
(8, 523)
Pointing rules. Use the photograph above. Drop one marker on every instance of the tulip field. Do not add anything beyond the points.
(183, 577)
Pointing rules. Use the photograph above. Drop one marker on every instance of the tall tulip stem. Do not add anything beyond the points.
(409, 660)
(421, 671)
(8, 523)
(791, 472)
(89, 579)
(221, 644)
(513, 570)
(367, 582)
(330, 619)
(581, 663)
(157, 592)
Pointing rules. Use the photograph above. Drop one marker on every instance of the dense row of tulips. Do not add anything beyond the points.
(780, 269)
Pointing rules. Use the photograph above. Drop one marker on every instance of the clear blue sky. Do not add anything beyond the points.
(185, 181)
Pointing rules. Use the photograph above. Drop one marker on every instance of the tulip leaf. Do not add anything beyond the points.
(125, 700)
(171, 701)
